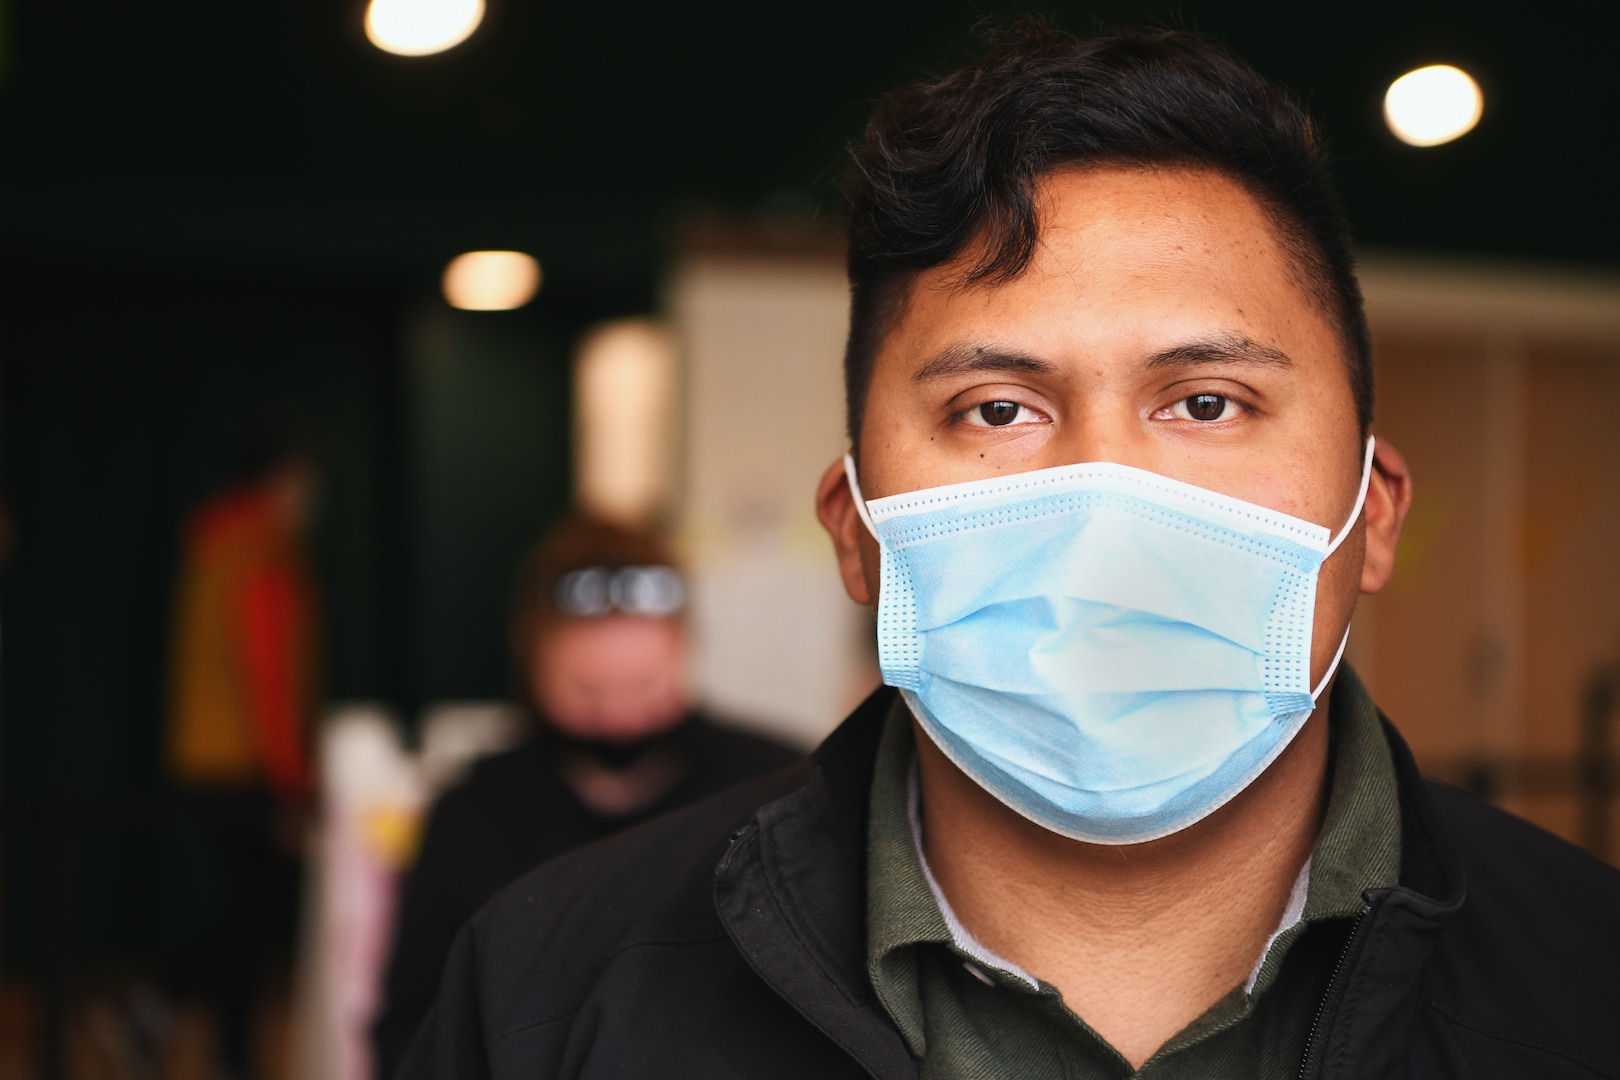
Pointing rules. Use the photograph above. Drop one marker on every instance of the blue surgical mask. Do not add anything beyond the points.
(1111, 653)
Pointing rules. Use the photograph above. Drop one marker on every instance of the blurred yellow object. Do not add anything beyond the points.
(421, 27)
(389, 832)
(491, 280)
(1433, 105)
(241, 677)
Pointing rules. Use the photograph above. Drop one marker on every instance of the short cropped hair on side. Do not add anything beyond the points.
(955, 163)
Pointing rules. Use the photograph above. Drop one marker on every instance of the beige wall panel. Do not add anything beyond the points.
(779, 642)
(1426, 627)
(1500, 384)
(1569, 537)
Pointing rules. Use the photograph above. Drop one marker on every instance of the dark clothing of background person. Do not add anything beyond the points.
(731, 940)
(233, 883)
(513, 813)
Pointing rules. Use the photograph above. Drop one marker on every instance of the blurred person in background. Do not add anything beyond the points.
(242, 695)
(601, 650)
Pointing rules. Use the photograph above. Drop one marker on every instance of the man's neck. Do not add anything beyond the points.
(1140, 939)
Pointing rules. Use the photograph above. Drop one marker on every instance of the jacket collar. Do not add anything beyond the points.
(1380, 973)
(791, 893)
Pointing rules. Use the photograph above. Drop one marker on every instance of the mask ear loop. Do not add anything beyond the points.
(860, 502)
(1355, 515)
(1361, 498)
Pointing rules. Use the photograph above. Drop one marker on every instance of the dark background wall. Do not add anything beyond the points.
(575, 129)
(118, 417)
(443, 441)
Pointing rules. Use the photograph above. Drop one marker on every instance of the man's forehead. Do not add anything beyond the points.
(1158, 211)
(1151, 240)
(1093, 208)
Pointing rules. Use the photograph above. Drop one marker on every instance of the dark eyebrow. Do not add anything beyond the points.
(1220, 349)
(964, 357)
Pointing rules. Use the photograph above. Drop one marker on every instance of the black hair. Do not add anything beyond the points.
(955, 162)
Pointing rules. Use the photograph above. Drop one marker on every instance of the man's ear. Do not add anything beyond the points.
(835, 506)
(1389, 497)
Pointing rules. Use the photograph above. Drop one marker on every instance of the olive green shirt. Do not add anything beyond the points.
(964, 1012)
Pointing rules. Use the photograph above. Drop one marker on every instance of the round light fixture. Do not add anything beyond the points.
(1433, 105)
(421, 27)
(491, 280)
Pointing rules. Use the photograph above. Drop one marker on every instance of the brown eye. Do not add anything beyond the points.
(1206, 406)
(999, 413)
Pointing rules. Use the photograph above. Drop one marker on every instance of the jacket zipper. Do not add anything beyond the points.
(1316, 1041)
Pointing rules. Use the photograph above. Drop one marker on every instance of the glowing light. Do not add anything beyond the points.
(491, 280)
(626, 390)
(421, 27)
(1433, 105)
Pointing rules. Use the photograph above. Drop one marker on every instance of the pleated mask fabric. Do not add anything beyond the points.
(1111, 653)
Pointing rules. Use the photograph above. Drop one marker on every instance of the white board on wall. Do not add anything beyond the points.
(779, 644)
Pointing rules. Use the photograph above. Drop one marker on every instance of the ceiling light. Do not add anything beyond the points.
(1433, 105)
(491, 280)
(421, 27)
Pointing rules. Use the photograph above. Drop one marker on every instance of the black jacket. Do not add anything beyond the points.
(512, 813)
(729, 941)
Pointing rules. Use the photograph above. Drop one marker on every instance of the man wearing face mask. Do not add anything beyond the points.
(1121, 810)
